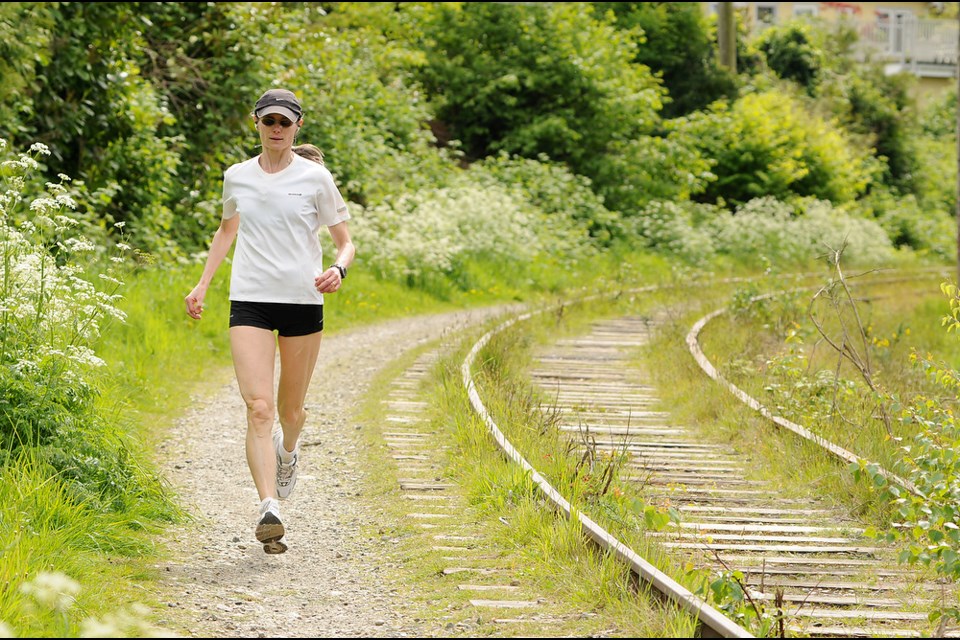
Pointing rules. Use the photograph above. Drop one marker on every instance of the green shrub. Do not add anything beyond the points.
(556, 191)
(797, 234)
(51, 313)
(791, 53)
(677, 41)
(432, 233)
(767, 144)
(909, 224)
(530, 79)
(760, 232)
(675, 228)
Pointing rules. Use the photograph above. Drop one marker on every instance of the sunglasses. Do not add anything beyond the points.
(270, 121)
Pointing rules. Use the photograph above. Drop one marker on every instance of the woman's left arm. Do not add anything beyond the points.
(345, 249)
(329, 281)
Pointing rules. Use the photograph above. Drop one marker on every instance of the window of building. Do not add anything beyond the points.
(805, 10)
(766, 14)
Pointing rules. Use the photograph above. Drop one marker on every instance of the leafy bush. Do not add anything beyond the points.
(51, 313)
(676, 41)
(556, 191)
(639, 170)
(909, 224)
(881, 107)
(760, 231)
(791, 53)
(797, 234)
(435, 231)
(938, 118)
(767, 144)
(928, 520)
(536, 79)
(675, 228)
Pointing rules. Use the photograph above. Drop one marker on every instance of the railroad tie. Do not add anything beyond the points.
(830, 580)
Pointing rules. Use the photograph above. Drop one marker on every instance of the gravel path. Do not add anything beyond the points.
(221, 584)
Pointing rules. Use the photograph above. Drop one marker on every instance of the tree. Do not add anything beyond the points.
(727, 35)
(536, 79)
(677, 42)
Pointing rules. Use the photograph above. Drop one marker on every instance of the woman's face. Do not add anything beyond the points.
(277, 132)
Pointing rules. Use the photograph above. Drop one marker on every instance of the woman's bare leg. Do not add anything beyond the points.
(254, 351)
(298, 358)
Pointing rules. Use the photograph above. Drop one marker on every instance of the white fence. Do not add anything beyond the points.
(906, 39)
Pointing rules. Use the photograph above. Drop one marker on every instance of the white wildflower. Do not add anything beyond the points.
(125, 623)
(79, 245)
(67, 201)
(44, 205)
(52, 589)
(27, 163)
(84, 356)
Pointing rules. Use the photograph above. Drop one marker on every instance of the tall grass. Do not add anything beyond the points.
(78, 498)
(772, 350)
(555, 550)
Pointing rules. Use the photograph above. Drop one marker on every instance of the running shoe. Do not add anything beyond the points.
(286, 471)
(270, 528)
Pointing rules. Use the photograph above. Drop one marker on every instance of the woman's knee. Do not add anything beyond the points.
(260, 409)
(292, 414)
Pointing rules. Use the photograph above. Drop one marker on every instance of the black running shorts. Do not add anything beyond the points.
(288, 320)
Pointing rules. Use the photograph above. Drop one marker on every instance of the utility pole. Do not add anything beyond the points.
(727, 37)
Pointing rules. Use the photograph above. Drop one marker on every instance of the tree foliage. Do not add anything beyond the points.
(545, 79)
(765, 144)
(146, 104)
(791, 53)
(676, 41)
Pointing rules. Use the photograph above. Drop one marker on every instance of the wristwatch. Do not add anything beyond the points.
(342, 269)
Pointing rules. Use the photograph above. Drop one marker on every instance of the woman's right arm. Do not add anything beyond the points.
(222, 241)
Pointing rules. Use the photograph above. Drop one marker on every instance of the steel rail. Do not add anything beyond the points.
(693, 344)
(707, 616)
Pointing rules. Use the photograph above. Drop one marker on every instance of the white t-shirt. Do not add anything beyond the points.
(278, 251)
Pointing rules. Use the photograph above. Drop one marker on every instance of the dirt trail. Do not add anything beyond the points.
(221, 584)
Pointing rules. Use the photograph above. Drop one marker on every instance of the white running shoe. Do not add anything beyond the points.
(270, 528)
(286, 471)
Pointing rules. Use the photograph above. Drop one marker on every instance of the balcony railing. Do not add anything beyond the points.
(911, 40)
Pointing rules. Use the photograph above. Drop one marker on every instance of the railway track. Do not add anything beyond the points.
(712, 623)
(803, 561)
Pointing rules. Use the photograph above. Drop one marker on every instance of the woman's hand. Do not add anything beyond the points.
(194, 301)
(328, 281)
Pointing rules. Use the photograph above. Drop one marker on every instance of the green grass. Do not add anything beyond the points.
(40, 521)
(587, 592)
(899, 317)
(160, 358)
(157, 361)
(550, 549)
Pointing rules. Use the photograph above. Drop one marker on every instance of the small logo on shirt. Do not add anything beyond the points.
(294, 194)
